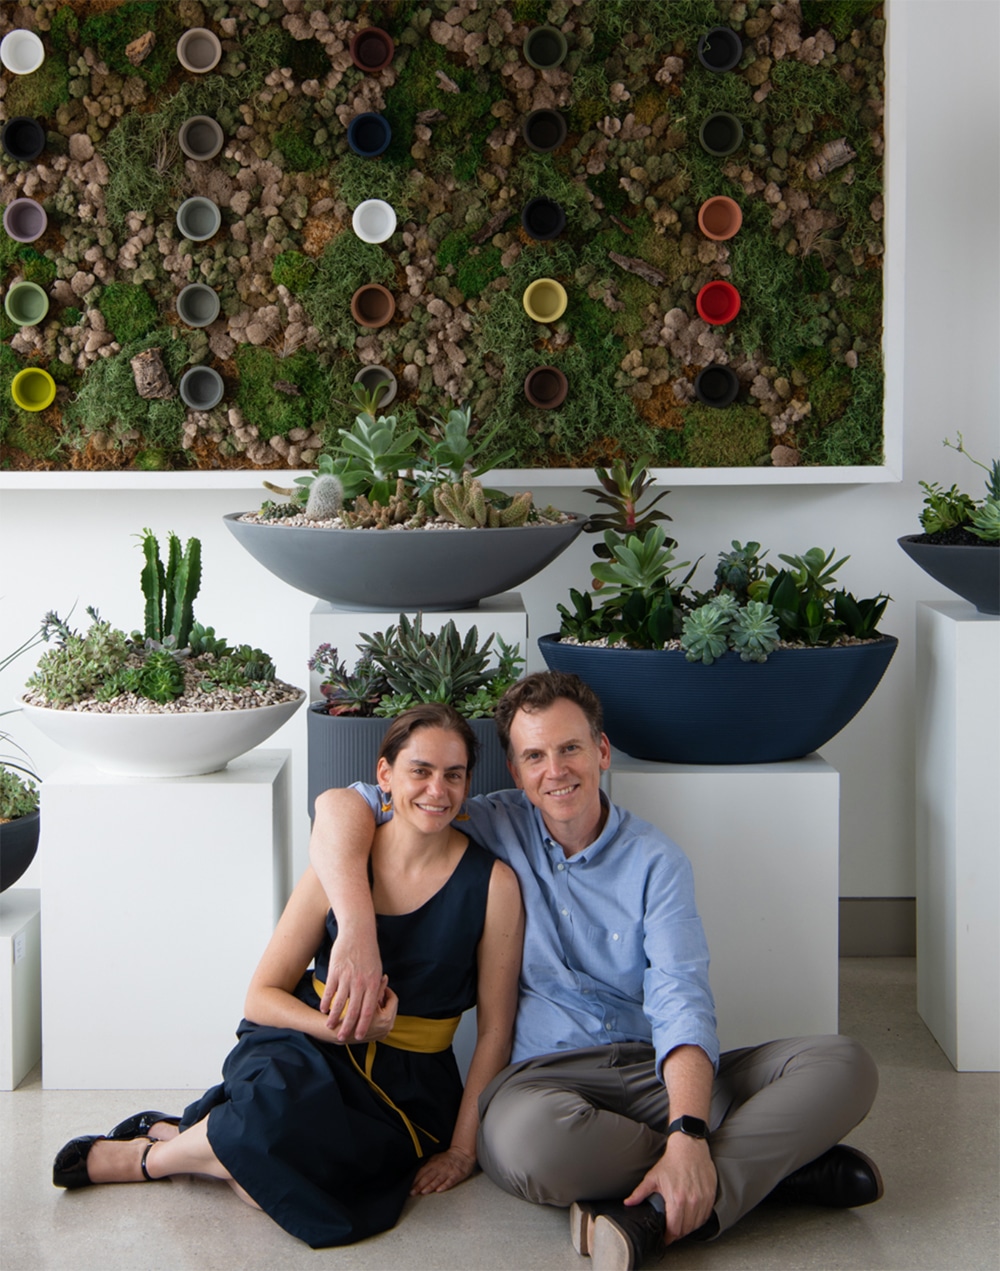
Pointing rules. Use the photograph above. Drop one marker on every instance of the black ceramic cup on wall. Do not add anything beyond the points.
(543, 219)
(720, 49)
(544, 130)
(716, 385)
(23, 138)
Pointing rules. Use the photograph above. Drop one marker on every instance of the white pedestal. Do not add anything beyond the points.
(159, 899)
(763, 840)
(503, 616)
(20, 985)
(958, 831)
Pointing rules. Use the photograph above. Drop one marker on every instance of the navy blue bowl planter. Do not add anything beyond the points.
(659, 706)
(971, 570)
(343, 750)
(18, 844)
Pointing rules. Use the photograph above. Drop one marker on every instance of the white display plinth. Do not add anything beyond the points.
(958, 831)
(502, 616)
(763, 840)
(160, 897)
(20, 985)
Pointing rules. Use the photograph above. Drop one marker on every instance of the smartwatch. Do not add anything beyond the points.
(694, 1127)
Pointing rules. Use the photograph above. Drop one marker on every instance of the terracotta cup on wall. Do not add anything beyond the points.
(371, 49)
(33, 389)
(718, 302)
(373, 305)
(719, 218)
(23, 138)
(544, 300)
(25, 220)
(199, 50)
(546, 386)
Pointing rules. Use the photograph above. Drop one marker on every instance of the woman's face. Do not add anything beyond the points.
(429, 779)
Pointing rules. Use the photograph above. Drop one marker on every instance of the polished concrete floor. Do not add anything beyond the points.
(934, 1133)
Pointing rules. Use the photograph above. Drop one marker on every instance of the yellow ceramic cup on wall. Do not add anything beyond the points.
(544, 300)
(33, 388)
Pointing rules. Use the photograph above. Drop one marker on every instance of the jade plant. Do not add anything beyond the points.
(405, 665)
(640, 600)
(379, 475)
(173, 658)
(951, 515)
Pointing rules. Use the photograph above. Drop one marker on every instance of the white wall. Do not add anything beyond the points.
(61, 547)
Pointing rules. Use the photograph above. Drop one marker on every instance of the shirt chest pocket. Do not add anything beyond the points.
(615, 955)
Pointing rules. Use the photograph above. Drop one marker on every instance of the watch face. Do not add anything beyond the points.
(692, 1126)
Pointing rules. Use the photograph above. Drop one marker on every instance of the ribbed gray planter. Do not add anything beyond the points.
(404, 569)
(343, 750)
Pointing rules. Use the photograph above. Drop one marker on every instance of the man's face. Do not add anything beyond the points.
(557, 763)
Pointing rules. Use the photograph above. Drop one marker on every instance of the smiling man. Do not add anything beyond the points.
(617, 1105)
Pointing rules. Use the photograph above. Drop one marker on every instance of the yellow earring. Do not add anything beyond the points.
(386, 801)
(463, 815)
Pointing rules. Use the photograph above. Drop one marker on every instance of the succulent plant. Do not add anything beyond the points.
(18, 795)
(622, 490)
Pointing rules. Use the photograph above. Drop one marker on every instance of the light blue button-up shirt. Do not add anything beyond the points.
(614, 950)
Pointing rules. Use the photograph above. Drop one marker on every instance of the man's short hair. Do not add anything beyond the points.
(538, 691)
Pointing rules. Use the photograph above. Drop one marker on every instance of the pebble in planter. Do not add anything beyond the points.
(25, 220)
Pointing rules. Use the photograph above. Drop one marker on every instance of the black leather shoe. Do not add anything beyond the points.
(70, 1166)
(841, 1178)
(139, 1125)
(618, 1237)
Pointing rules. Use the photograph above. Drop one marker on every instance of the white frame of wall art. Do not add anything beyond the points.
(893, 302)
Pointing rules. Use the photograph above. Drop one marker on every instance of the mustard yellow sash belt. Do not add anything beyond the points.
(409, 1032)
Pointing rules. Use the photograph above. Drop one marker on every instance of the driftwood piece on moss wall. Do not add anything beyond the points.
(631, 176)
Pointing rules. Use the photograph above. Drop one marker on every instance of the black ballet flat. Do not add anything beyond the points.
(70, 1166)
(139, 1125)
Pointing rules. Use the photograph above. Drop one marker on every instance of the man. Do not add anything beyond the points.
(617, 1104)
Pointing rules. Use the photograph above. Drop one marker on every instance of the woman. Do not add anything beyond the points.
(328, 1139)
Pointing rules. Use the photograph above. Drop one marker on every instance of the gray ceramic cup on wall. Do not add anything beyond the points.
(200, 137)
(201, 388)
(198, 218)
(25, 220)
(199, 50)
(197, 305)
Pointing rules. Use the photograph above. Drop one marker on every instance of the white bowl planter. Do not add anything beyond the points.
(161, 745)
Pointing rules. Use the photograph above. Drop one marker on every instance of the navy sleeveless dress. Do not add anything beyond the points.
(296, 1124)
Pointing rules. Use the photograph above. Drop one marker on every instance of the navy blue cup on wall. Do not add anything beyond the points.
(369, 134)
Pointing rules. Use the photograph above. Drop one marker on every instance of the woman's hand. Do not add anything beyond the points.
(383, 1018)
(442, 1171)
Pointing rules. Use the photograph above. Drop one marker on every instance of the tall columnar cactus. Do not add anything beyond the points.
(170, 591)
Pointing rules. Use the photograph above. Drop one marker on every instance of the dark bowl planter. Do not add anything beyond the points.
(972, 572)
(343, 750)
(18, 844)
(659, 706)
(404, 569)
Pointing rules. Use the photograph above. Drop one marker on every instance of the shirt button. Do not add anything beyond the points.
(560, 867)
(615, 936)
(608, 1027)
(565, 913)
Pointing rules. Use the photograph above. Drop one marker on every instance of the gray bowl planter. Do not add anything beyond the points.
(404, 569)
(343, 750)
(659, 706)
(972, 572)
(18, 844)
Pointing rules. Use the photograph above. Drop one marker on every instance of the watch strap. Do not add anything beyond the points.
(693, 1127)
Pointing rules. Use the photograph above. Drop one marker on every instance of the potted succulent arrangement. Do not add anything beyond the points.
(19, 818)
(960, 545)
(398, 668)
(398, 519)
(173, 700)
(766, 665)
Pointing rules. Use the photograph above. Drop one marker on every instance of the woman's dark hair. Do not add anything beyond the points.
(539, 691)
(427, 715)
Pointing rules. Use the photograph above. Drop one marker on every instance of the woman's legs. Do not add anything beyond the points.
(189, 1152)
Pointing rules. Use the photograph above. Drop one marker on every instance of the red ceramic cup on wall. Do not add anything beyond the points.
(718, 302)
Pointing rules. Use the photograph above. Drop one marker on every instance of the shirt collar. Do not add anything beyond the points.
(612, 823)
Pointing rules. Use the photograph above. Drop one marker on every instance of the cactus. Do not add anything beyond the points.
(170, 592)
(375, 515)
(152, 580)
(517, 511)
(326, 497)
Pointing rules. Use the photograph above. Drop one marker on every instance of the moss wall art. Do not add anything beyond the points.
(636, 135)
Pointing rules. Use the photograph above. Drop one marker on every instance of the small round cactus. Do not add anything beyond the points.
(326, 497)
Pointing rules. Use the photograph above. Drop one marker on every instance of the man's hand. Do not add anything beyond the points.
(443, 1171)
(685, 1177)
(354, 988)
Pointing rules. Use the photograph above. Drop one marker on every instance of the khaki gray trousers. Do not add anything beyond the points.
(589, 1123)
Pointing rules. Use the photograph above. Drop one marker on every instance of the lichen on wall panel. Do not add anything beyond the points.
(631, 176)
